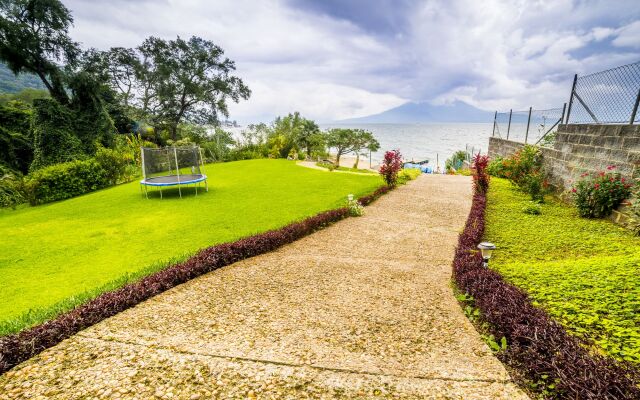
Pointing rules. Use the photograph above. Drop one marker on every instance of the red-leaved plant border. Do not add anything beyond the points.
(21, 346)
(539, 349)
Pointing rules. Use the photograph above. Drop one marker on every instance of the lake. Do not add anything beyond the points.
(432, 141)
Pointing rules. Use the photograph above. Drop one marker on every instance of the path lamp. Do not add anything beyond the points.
(350, 197)
(486, 249)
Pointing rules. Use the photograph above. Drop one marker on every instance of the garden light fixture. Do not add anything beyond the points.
(350, 197)
(486, 249)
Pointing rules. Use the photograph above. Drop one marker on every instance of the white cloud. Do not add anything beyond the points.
(492, 54)
(628, 35)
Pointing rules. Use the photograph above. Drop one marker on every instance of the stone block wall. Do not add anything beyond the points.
(581, 148)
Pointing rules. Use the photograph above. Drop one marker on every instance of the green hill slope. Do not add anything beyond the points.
(9, 83)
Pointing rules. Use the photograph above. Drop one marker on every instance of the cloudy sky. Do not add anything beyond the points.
(336, 59)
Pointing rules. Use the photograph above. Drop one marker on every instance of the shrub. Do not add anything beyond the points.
(524, 169)
(66, 180)
(408, 174)
(391, 166)
(326, 164)
(596, 196)
(456, 160)
(115, 164)
(10, 189)
(54, 140)
(496, 167)
(355, 208)
(480, 175)
(532, 208)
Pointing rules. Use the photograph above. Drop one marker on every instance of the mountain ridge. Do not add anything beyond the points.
(417, 112)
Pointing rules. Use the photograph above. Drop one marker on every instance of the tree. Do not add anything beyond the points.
(119, 67)
(187, 81)
(34, 38)
(351, 140)
(285, 134)
(364, 140)
(219, 145)
(310, 138)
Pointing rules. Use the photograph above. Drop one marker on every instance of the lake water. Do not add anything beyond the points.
(432, 141)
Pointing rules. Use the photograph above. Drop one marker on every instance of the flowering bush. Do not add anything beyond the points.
(524, 169)
(596, 196)
(391, 165)
(480, 175)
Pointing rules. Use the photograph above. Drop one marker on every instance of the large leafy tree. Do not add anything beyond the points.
(310, 138)
(34, 37)
(351, 141)
(364, 140)
(187, 81)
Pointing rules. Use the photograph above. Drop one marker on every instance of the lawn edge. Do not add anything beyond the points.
(21, 346)
(538, 346)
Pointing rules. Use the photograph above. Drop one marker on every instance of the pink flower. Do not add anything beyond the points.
(610, 167)
(574, 190)
(597, 186)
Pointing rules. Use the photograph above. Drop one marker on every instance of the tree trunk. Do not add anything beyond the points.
(355, 166)
(174, 132)
(338, 158)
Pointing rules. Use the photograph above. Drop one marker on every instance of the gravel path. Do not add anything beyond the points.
(363, 309)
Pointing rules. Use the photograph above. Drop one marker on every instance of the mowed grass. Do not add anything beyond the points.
(584, 272)
(55, 256)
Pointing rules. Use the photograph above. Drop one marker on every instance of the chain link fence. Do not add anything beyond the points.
(607, 97)
(529, 126)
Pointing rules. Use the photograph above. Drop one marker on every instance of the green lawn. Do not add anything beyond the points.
(54, 256)
(585, 273)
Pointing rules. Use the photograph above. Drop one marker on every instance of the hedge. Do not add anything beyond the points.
(543, 356)
(19, 347)
(65, 180)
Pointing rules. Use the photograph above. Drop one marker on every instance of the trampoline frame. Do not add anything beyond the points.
(196, 182)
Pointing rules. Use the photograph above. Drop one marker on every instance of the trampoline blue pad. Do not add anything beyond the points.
(172, 180)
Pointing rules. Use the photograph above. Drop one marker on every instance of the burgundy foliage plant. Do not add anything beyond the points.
(480, 174)
(21, 346)
(543, 356)
(391, 166)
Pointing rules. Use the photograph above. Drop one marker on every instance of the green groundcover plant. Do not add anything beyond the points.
(597, 195)
(584, 272)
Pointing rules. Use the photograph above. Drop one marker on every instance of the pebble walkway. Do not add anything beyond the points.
(363, 309)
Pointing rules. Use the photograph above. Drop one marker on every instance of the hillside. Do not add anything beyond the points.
(9, 83)
(425, 112)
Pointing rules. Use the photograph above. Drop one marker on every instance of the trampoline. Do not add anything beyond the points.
(172, 166)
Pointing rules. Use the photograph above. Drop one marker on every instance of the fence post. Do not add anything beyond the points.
(564, 108)
(494, 124)
(509, 126)
(526, 135)
(573, 89)
(635, 109)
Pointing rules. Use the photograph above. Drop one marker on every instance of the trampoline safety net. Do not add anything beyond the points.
(171, 162)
